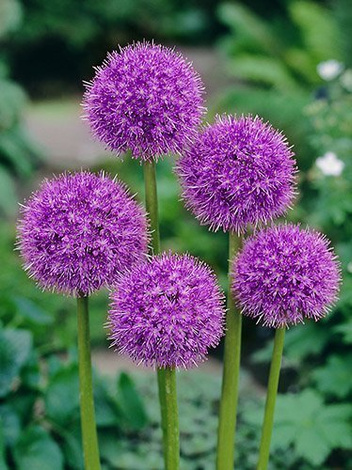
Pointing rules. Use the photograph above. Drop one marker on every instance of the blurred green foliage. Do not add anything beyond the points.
(90, 20)
(18, 154)
(283, 110)
(301, 440)
(283, 54)
(39, 418)
(61, 40)
(39, 407)
(306, 431)
(318, 355)
(277, 59)
(343, 12)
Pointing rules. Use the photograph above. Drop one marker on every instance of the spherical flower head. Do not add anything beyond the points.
(167, 312)
(79, 231)
(285, 274)
(239, 171)
(146, 98)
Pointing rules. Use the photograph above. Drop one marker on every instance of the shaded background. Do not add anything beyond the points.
(257, 57)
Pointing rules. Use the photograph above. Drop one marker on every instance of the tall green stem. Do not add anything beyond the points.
(89, 431)
(166, 376)
(151, 203)
(230, 378)
(274, 375)
(169, 417)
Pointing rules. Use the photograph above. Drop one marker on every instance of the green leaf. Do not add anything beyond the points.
(302, 63)
(22, 343)
(297, 408)
(253, 413)
(261, 69)
(306, 340)
(15, 349)
(335, 378)
(301, 341)
(285, 438)
(11, 16)
(62, 396)
(72, 446)
(334, 423)
(31, 374)
(37, 450)
(11, 424)
(111, 448)
(198, 444)
(12, 101)
(312, 19)
(30, 311)
(22, 402)
(8, 197)
(311, 426)
(107, 412)
(131, 403)
(3, 464)
(310, 445)
(263, 354)
(346, 330)
(54, 365)
(251, 30)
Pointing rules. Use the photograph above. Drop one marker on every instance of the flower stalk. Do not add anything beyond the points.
(169, 415)
(268, 422)
(88, 424)
(231, 370)
(166, 376)
(151, 203)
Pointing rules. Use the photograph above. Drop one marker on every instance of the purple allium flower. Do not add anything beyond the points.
(79, 231)
(146, 98)
(239, 171)
(285, 274)
(167, 312)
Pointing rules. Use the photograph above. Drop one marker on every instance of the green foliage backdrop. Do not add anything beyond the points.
(272, 56)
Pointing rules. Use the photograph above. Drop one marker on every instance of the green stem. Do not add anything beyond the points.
(151, 203)
(230, 378)
(169, 413)
(166, 376)
(89, 431)
(274, 375)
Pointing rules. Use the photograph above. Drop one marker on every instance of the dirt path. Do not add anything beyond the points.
(109, 363)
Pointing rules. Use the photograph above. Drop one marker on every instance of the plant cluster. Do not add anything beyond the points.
(166, 310)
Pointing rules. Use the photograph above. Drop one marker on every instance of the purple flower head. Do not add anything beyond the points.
(167, 312)
(79, 231)
(285, 274)
(146, 98)
(239, 171)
